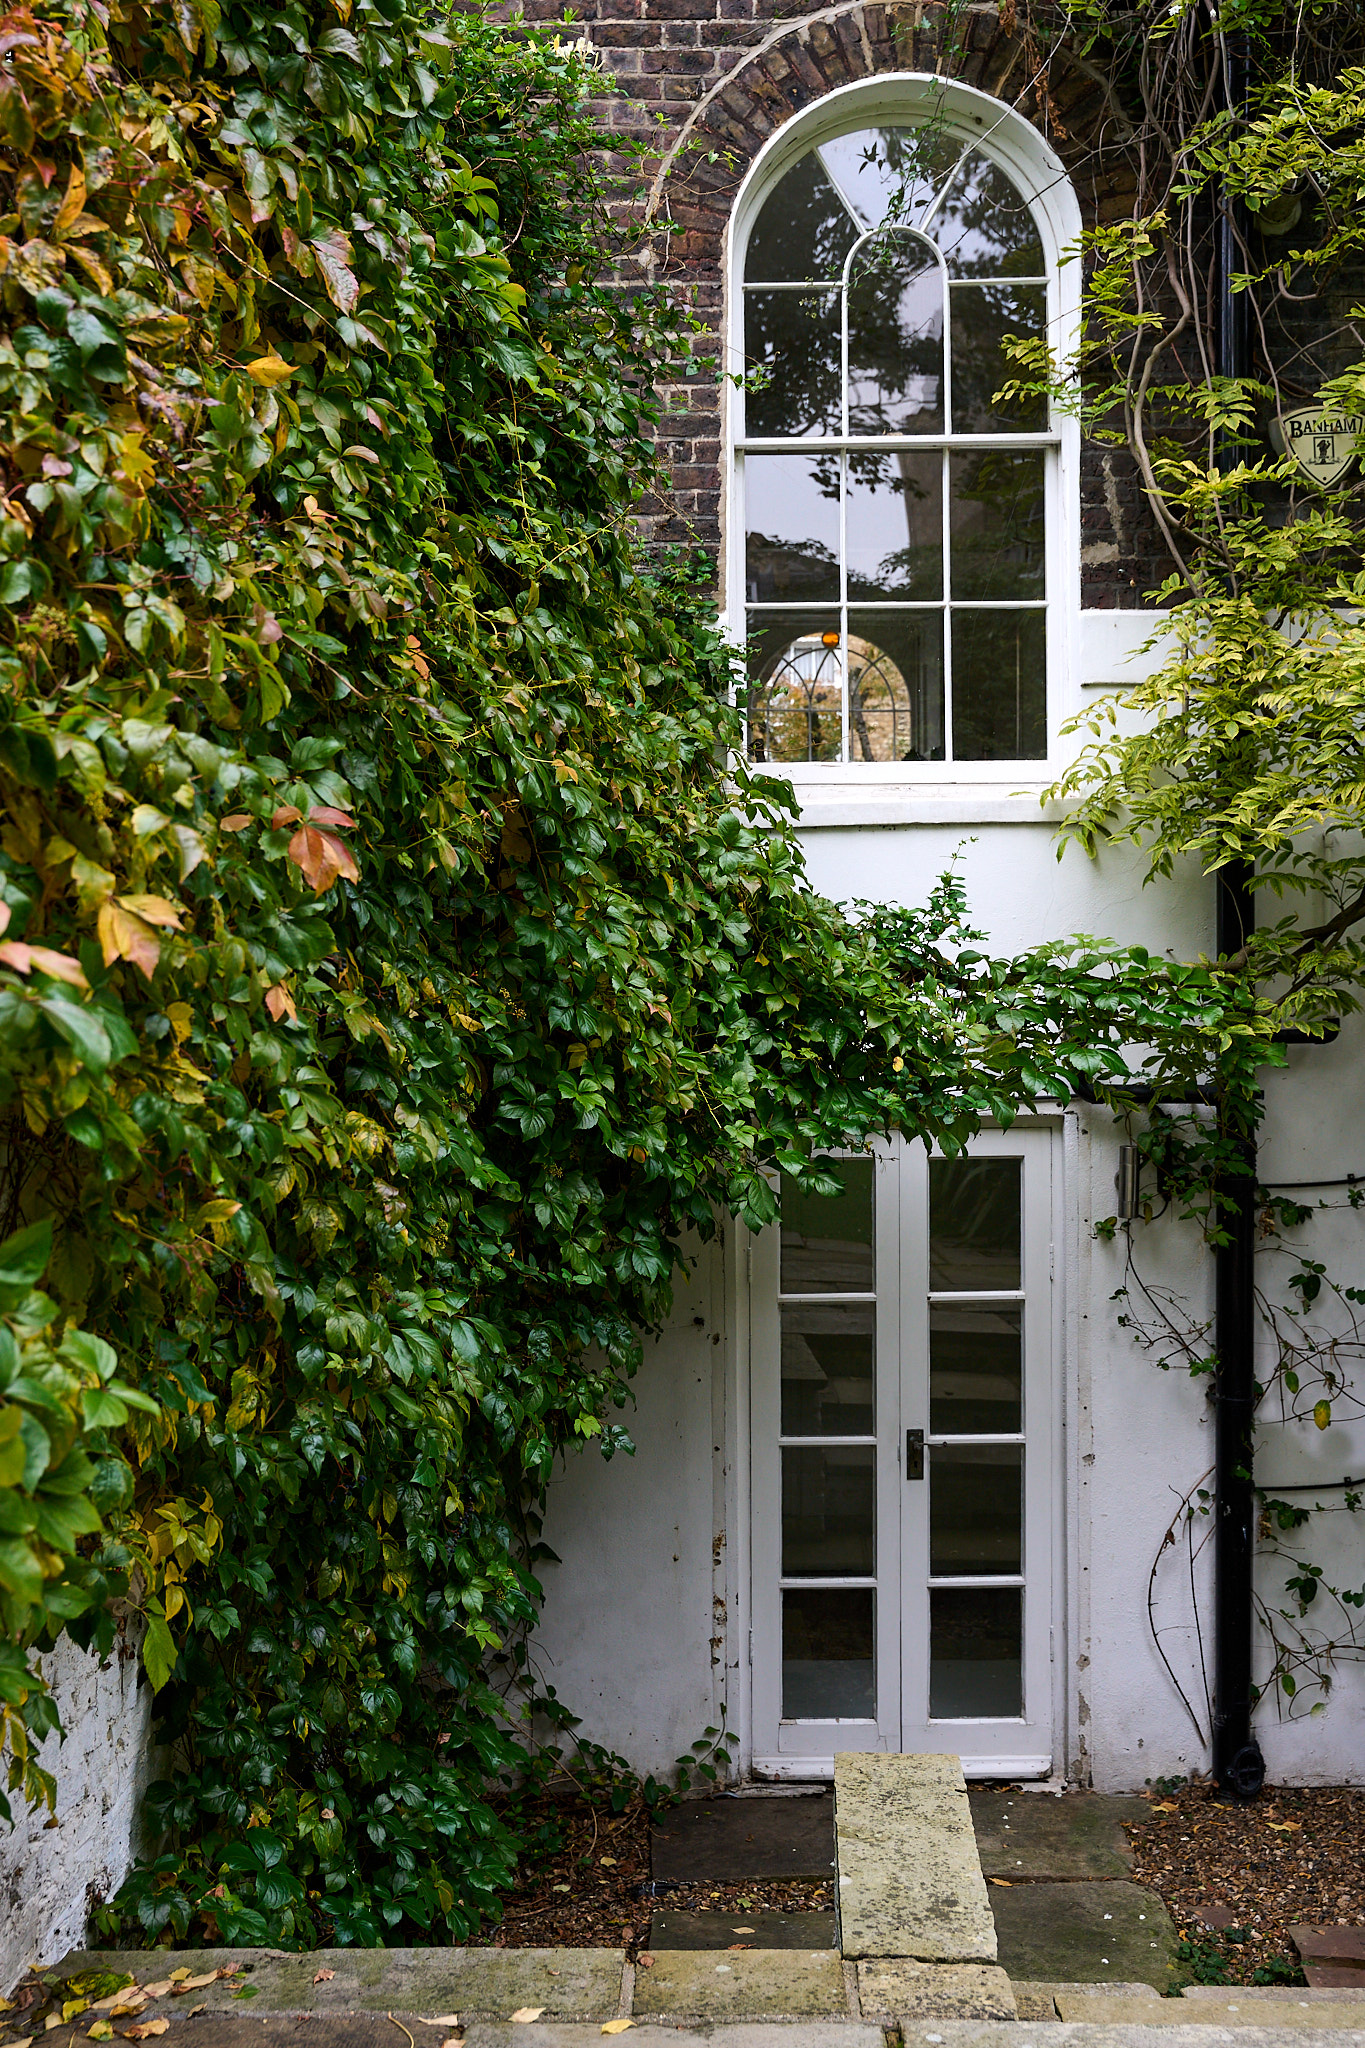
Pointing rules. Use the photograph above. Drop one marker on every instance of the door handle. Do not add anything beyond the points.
(914, 1454)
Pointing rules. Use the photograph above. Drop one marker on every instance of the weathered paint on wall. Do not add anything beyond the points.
(52, 1867)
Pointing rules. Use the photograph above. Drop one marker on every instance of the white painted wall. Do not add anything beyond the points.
(53, 1867)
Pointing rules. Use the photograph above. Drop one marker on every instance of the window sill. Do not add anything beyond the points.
(924, 803)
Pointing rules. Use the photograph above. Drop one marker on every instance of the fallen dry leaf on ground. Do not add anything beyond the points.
(733, 1947)
(323, 1976)
(195, 2011)
(645, 1962)
(617, 2026)
(147, 2027)
(525, 2013)
(442, 2019)
(101, 2031)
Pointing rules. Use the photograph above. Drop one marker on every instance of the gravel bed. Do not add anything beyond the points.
(1291, 1854)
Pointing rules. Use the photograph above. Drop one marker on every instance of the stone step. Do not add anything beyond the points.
(910, 1882)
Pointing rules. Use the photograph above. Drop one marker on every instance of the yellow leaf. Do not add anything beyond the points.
(146, 2028)
(180, 1017)
(269, 370)
(101, 2031)
(526, 2013)
(1322, 1414)
(71, 2006)
(617, 2026)
(91, 264)
(124, 936)
(72, 206)
(155, 909)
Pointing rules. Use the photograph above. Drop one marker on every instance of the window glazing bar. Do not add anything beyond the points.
(834, 444)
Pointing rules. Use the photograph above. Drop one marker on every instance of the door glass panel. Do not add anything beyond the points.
(791, 543)
(792, 351)
(975, 1653)
(976, 1501)
(999, 686)
(796, 689)
(894, 525)
(895, 339)
(804, 231)
(983, 314)
(827, 1368)
(895, 672)
(975, 1370)
(974, 1237)
(827, 1654)
(997, 524)
(827, 1511)
(827, 1239)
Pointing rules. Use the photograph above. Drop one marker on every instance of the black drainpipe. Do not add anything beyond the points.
(1238, 1766)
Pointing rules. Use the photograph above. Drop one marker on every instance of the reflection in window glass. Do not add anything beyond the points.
(791, 505)
(975, 1370)
(792, 357)
(976, 1510)
(827, 1654)
(795, 710)
(974, 1229)
(889, 174)
(983, 314)
(828, 1494)
(895, 664)
(997, 523)
(827, 1239)
(828, 1368)
(894, 525)
(804, 231)
(999, 686)
(895, 339)
(984, 226)
(976, 1653)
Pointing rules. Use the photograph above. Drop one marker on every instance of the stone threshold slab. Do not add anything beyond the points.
(1115, 2034)
(909, 1875)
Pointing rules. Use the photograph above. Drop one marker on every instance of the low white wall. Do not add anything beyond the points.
(52, 1867)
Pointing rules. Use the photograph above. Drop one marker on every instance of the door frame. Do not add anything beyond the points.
(749, 1291)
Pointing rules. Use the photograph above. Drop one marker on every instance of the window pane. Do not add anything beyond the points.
(827, 1655)
(975, 1653)
(827, 1239)
(976, 1503)
(984, 227)
(895, 662)
(893, 525)
(804, 230)
(796, 668)
(973, 1225)
(975, 1371)
(999, 686)
(895, 339)
(827, 1372)
(982, 316)
(996, 508)
(889, 174)
(827, 1512)
(792, 340)
(791, 515)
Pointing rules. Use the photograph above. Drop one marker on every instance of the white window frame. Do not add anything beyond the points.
(1024, 156)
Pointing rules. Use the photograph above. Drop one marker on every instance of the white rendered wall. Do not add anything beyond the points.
(634, 1629)
(52, 1868)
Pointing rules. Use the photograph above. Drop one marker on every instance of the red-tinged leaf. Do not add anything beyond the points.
(5, 915)
(287, 814)
(279, 1002)
(324, 814)
(238, 822)
(268, 627)
(24, 959)
(125, 936)
(321, 857)
(333, 254)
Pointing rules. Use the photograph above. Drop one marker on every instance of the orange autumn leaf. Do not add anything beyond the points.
(321, 858)
(24, 959)
(279, 1002)
(123, 935)
(238, 822)
(287, 814)
(325, 814)
(154, 909)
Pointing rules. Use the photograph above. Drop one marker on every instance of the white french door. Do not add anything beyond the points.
(904, 1453)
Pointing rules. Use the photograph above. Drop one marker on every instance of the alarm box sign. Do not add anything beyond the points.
(1322, 442)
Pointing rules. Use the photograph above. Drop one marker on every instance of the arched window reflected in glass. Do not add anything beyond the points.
(896, 592)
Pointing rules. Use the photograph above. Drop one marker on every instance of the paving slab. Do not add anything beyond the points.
(894, 1989)
(1333, 1957)
(758, 1983)
(1123, 2034)
(568, 1983)
(910, 1880)
(1079, 1835)
(1079, 1933)
(758, 1930)
(750, 2034)
(728, 1840)
(1275, 1994)
(1230, 2012)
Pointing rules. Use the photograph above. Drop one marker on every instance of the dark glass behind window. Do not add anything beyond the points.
(827, 1239)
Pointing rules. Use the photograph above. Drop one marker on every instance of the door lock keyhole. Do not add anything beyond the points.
(914, 1454)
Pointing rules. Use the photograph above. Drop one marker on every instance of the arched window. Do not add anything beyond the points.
(890, 514)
